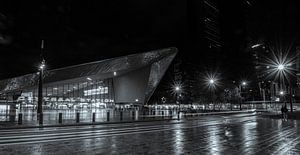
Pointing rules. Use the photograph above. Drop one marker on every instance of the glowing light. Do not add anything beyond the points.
(256, 45)
(115, 73)
(88, 78)
(100, 90)
(281, 92)
(244, 83)
(177, 88)
(211, 80)
(42, 65)
(280, 67)
(136, 100)
(279, 64)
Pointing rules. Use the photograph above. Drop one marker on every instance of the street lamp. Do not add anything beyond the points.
(212, 83)
(40, 92)
(211, 80)
(281, 93)
(280, 67)
(242, 85)
(177, 90)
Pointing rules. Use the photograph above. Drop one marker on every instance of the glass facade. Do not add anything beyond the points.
(75, 95)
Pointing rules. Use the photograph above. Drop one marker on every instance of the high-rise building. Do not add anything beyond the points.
(211, 24)
(203, 29)
(202, 48)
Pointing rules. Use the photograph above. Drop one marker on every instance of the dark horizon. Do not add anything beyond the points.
(80, 32)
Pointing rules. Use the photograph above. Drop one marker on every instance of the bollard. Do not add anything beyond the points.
(60, 118)
(20, 119)
(94, 117)
(121, 115)
(133, 113)
(77, 117)
(178, 116)
(107, 116)
(41, 118)
(162, 113)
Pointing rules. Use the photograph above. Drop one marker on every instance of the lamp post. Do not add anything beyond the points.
(241, 86)
(281, 69)
(281, 93)
(40, 93)
(177, 91)
(212, 86)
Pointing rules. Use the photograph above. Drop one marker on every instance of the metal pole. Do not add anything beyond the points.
(6, 112)
(107, 116)
(240, 97)
(77, 117)
(133, 114)
(291, 102)
(94, 117)
(20, 119)
(121, 115)
(60, 118)
(40, 97)
(212, 98)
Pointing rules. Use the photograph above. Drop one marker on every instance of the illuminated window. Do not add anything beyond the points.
(100, 90)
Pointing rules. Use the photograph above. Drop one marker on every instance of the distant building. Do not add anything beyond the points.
(203, 47)
(211, 24)
(204, 28)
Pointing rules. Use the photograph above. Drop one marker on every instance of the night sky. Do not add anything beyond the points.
(83, 31)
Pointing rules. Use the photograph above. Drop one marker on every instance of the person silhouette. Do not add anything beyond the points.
(282, 112)
(285, 110)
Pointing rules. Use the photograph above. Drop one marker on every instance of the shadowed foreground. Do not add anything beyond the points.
(235, 134)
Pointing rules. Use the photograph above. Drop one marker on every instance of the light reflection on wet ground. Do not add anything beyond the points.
(207, 135)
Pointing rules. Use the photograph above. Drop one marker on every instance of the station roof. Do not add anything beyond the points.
(158, 59)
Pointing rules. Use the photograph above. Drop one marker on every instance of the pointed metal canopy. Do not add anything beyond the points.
(158, 60)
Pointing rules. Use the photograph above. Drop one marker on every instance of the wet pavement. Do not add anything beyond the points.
(216, 134)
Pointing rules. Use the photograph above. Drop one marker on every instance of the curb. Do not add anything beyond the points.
(123, 122)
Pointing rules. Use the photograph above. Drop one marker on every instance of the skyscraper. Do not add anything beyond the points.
(211, 24)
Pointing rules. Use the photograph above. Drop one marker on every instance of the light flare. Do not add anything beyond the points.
(212, 80)
(279, 64)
